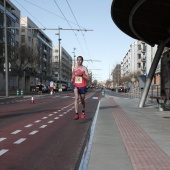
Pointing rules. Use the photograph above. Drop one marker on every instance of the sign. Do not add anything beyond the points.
(8, 66)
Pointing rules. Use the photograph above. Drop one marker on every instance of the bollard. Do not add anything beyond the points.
(103, 93)
(17, 92)
(21, 92)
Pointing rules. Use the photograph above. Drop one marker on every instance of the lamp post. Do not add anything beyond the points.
(74, 57)
(59, 61)
(6, 57)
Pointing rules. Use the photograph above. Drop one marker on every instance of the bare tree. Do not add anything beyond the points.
(22, 57)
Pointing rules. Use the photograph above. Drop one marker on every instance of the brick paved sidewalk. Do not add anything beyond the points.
(130, 138)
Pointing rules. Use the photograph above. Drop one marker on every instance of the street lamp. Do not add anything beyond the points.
(59, 73)
(6, 57)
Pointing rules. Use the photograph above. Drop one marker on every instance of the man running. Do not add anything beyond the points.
(79, 77)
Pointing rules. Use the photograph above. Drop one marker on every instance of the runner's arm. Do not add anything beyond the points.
(86, 75)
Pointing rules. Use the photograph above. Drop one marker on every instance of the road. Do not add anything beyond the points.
(44, 135)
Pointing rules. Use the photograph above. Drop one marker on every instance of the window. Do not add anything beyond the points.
(139, 56)
(139, 47)
(29, 38)
(56, 51)
(22, 38)
(17, 32)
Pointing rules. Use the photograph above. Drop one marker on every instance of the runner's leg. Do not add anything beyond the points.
(76, 99)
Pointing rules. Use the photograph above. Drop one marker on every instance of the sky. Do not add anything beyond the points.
(103, 43)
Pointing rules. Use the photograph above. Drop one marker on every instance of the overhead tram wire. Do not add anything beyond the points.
(68, 24)
(52, 13)
(30, 13)
(78, 25)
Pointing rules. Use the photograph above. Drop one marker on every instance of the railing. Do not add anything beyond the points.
(137, 92)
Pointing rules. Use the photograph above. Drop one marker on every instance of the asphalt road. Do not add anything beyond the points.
(44, 135)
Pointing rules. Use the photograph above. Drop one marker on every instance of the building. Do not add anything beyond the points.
(40, 44)
(64, 63)
(13, 38)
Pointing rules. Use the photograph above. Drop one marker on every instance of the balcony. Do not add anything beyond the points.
(44, 59)
(143, 68)
(143, 59)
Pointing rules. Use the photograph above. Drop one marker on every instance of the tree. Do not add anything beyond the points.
(21, 58)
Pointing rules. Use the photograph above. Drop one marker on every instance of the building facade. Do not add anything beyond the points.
(64, 63)
(13, 38)
(41, 45)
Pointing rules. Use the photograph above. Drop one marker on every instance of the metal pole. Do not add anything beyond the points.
(151, 73)
(59, 57)
(6, 57)
(74, 58)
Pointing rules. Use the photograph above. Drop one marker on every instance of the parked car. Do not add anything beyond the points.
(44, 88)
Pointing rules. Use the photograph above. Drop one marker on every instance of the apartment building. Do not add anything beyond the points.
(13, 38)
(41, 45)
(65, 65)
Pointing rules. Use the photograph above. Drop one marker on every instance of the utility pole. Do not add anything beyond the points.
(6, 57)
(59, 60)
(74, 57)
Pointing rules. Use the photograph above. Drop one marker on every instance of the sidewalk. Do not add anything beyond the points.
(130, 138)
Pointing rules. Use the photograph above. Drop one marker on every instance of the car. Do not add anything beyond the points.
(44, 88)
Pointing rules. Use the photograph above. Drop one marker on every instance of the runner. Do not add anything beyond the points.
(79, 77)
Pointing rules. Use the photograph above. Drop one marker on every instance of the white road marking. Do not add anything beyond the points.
(59, 110)
(37, 121)
(55, 112)
(3, 151)
(28, 125)
(60, 115)
(44, 117)
(50, 114)
(20, 141)
(56, 118)
(1, 139)
(95, 97)
(15, 132)
(33, 132)
(51, 121)
(65, 113)
(43, 126)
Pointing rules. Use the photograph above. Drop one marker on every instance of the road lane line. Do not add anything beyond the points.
(28, 125)
(60, 115)
(1, 139)
(50, 114)
(51, 121)
(37, 121)
(15, 132)
(20, 141)
(3, 151)
(95, 97)
(43, 126)
(44, 117)
(56, 118)
(33, 132)
(55, 112)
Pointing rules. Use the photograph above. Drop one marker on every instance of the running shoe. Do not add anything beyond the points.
(76, 117)
(82, 114)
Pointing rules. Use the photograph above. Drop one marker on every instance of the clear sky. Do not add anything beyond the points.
(105, 43)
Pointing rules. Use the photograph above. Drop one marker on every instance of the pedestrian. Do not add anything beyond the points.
(79, 77)
(51, 87)
(40, 88)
